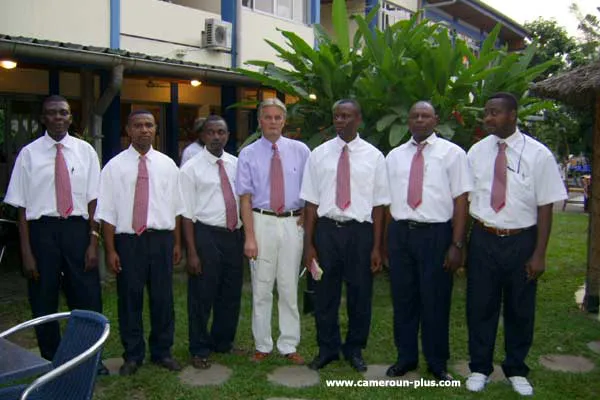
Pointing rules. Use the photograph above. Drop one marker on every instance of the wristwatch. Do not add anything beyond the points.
(458, 245)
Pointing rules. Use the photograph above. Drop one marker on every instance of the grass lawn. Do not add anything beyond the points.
(560, 329)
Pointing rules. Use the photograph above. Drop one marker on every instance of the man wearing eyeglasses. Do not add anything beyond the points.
(54, 185)
(516, 183)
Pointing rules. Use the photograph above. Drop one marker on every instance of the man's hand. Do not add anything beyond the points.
(310, 253)
(176, 254)
(113, 261)
(535, 267)
(453, 260)
(250, 248)
(194, 266)
(376, 260)
(91, 257)
(30, 266)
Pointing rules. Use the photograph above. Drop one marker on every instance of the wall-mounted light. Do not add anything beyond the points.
(312, 96)
(8, 64)
(195, 83)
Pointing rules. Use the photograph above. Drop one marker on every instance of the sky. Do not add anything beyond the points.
(523, 11)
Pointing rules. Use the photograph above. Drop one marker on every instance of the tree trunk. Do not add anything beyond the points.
(592, 291)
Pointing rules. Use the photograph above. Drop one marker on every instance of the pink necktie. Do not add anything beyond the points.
(499, 182)
(230, 204)
(342, 189)
(62, 184)
(414, 197)
(277, 184)
(141, 198)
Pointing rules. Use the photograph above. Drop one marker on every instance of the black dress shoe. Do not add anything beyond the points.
(442, 376)
(400, 370)
(102, 370)
(320, 361)
(357, 362)
(169, 363)
(128, 368)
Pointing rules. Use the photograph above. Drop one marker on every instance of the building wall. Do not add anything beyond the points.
(257, 26)
(83, 22)
(212, 6)
(167, 30)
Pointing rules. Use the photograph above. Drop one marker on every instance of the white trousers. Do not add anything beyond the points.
(279, 242)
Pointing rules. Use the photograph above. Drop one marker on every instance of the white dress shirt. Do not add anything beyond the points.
(532, 180)
(117, 191)
(446, 176)
(201, 187)
(368, 180)
(32, 182)
(190, 151)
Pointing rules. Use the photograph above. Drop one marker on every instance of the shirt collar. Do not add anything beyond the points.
(351, 145)
(212, 159)
(134, 153)
(431, 139)
(66, 141)
(514, 141)
(267, 143)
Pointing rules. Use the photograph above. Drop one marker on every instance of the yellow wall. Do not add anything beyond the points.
(156, 22)
(21, 80)
(81, 21)
(138, 90)
(256, 27)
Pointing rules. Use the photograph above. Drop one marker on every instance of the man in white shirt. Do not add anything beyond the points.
(345, 188)
(196, 146)
(54, 184)
(139, 203)
(516, 183)
(214, 242)
(429, 181)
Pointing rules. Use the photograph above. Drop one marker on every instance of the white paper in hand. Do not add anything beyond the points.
(315, 270)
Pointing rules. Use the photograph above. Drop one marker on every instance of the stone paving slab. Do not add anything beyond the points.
(285, 398)
(377, 372)
(594, 346)
(294, 376)
(579, 295)
(462, 368)
(113, 365)
(566, 363)
(217, 374)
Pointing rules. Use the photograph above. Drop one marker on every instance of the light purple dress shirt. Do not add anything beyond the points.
(254, 164)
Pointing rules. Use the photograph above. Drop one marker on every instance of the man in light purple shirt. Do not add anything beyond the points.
(272, 216)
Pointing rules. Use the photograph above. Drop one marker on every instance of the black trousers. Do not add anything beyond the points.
(497, 276)
(146, 259)
(421, 291)
(344, 254)
(218, 288)
(59, 247)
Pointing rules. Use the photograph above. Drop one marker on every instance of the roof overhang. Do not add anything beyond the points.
(482, 16)
(57, 53)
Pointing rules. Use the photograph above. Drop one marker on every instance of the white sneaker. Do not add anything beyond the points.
(476, 382)
(521, 385)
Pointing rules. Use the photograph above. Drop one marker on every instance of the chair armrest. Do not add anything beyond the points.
(36, 321)
(68, 365)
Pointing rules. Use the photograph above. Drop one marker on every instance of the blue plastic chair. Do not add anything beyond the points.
(76, 361)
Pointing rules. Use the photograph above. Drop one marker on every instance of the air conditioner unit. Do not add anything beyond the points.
(217, 34)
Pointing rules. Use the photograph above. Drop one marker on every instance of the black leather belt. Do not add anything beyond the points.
(216, 228)
(418, 225)
(291, 213)
(340, 224)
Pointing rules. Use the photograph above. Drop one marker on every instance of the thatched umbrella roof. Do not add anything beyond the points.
(577, 87)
